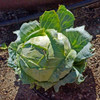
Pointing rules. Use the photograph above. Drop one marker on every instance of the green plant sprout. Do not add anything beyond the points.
(3, 46)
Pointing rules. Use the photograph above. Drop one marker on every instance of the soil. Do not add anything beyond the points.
(13, 89)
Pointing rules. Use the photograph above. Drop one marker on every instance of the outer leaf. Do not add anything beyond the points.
(64, 67)
(26, 29)
(31, 53)
(62, 39)
(28, 63)
(59, 21)
(12, 54)
(46, 85)
(80, 78)
(84, 53)
(68, 63)
(70, 78)
(66, 18)
(58, 46)
(3, 46)
(73, 76)
(80, 66)
(78, 38)
(39, 32)
(50, 20)
(40, 74)
(26, 79)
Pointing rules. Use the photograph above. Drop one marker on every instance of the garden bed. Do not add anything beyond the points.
(12, 89)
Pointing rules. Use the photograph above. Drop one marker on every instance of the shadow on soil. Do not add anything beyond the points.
(84, 91)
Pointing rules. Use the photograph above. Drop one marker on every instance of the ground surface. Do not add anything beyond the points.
(12, 89)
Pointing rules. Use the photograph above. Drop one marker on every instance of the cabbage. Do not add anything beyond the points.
(50, 52)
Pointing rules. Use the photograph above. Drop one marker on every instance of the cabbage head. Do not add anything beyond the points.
(51, 52)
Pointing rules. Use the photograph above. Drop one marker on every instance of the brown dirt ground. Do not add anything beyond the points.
(12, 89)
